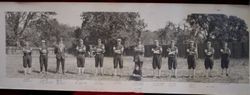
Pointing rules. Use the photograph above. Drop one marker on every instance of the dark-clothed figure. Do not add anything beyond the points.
(138, 56)
(172, 58)
(80, 57)
(43, 57)
(137, 74)
(209, 60)
(118, 59)
(191, 58)
(27, 58)
(157, 58)
(99, 56)
(60, 55)
(226, 52)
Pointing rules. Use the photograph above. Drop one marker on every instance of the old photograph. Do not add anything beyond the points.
(137, 45)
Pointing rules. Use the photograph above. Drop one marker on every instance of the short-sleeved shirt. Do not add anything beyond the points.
(100, 49)
(174, 51)
(209, 53)
(157, 48)
(139, 50)
(226, 53)
(27, 51)
(44, 50)
(81, 49)
(191, 51)
(119, 48)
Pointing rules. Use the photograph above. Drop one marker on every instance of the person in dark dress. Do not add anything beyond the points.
(43, 57)
(191, 59)
(80, 57)
(172, 59)
(137, 74)
(99, 56)
(118, 57)
(209, 60)
(157, 58)
(60, 55)
(27, 58)
(225, 55)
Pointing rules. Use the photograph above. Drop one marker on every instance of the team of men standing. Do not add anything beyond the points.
(138, 57)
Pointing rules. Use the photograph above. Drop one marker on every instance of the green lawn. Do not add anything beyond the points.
(239, 72)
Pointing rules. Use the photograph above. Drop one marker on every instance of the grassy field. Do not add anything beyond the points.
(239, 70)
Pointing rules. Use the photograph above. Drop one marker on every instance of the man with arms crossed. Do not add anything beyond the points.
(172, 61)
(118, 60)
(209, 60)
(225, 58)
(43, 57)
(157, 58)
(81, 50)
(191, 59)
(138, 59)
(99, 51)
(27, 58)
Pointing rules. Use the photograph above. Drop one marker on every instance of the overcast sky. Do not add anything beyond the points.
(156, 16)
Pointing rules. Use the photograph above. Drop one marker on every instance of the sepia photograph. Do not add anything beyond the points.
(165, 45)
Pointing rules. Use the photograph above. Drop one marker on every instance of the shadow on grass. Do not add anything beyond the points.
(20, 71)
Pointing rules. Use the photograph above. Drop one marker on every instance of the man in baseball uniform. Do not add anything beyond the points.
(27, 58)
(172, 58)
(99, 56)
(138, 59)
(80, 57)
(209, 60)
(191, 58)
(225, 55)
(118, 58)
(43, 57)
(157, 58)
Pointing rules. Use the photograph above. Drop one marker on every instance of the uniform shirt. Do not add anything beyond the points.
(191, 51)
(27, 51)
(139, 50)
(172, 51)
(138, 53)
(118, 49)
(157, 50)
(225, 53)
(209, 52)
(81, 49)
(100, 49)
(43, 50)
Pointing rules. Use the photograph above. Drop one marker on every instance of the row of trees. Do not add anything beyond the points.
(204, 27)
(128, 26)
(34, 26)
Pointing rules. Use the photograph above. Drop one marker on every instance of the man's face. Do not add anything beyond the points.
(139, 42)
(191, 44)
(99, 42)
(27, 43)
(209, 44)
(81, 42)
(43, 44)
(225, 45)
(119, 42)
(172, 44)
(156, 43)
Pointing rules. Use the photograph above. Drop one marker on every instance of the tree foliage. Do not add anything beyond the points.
(35, 26)
(219, 27)
(19, 23)
(109, 26)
